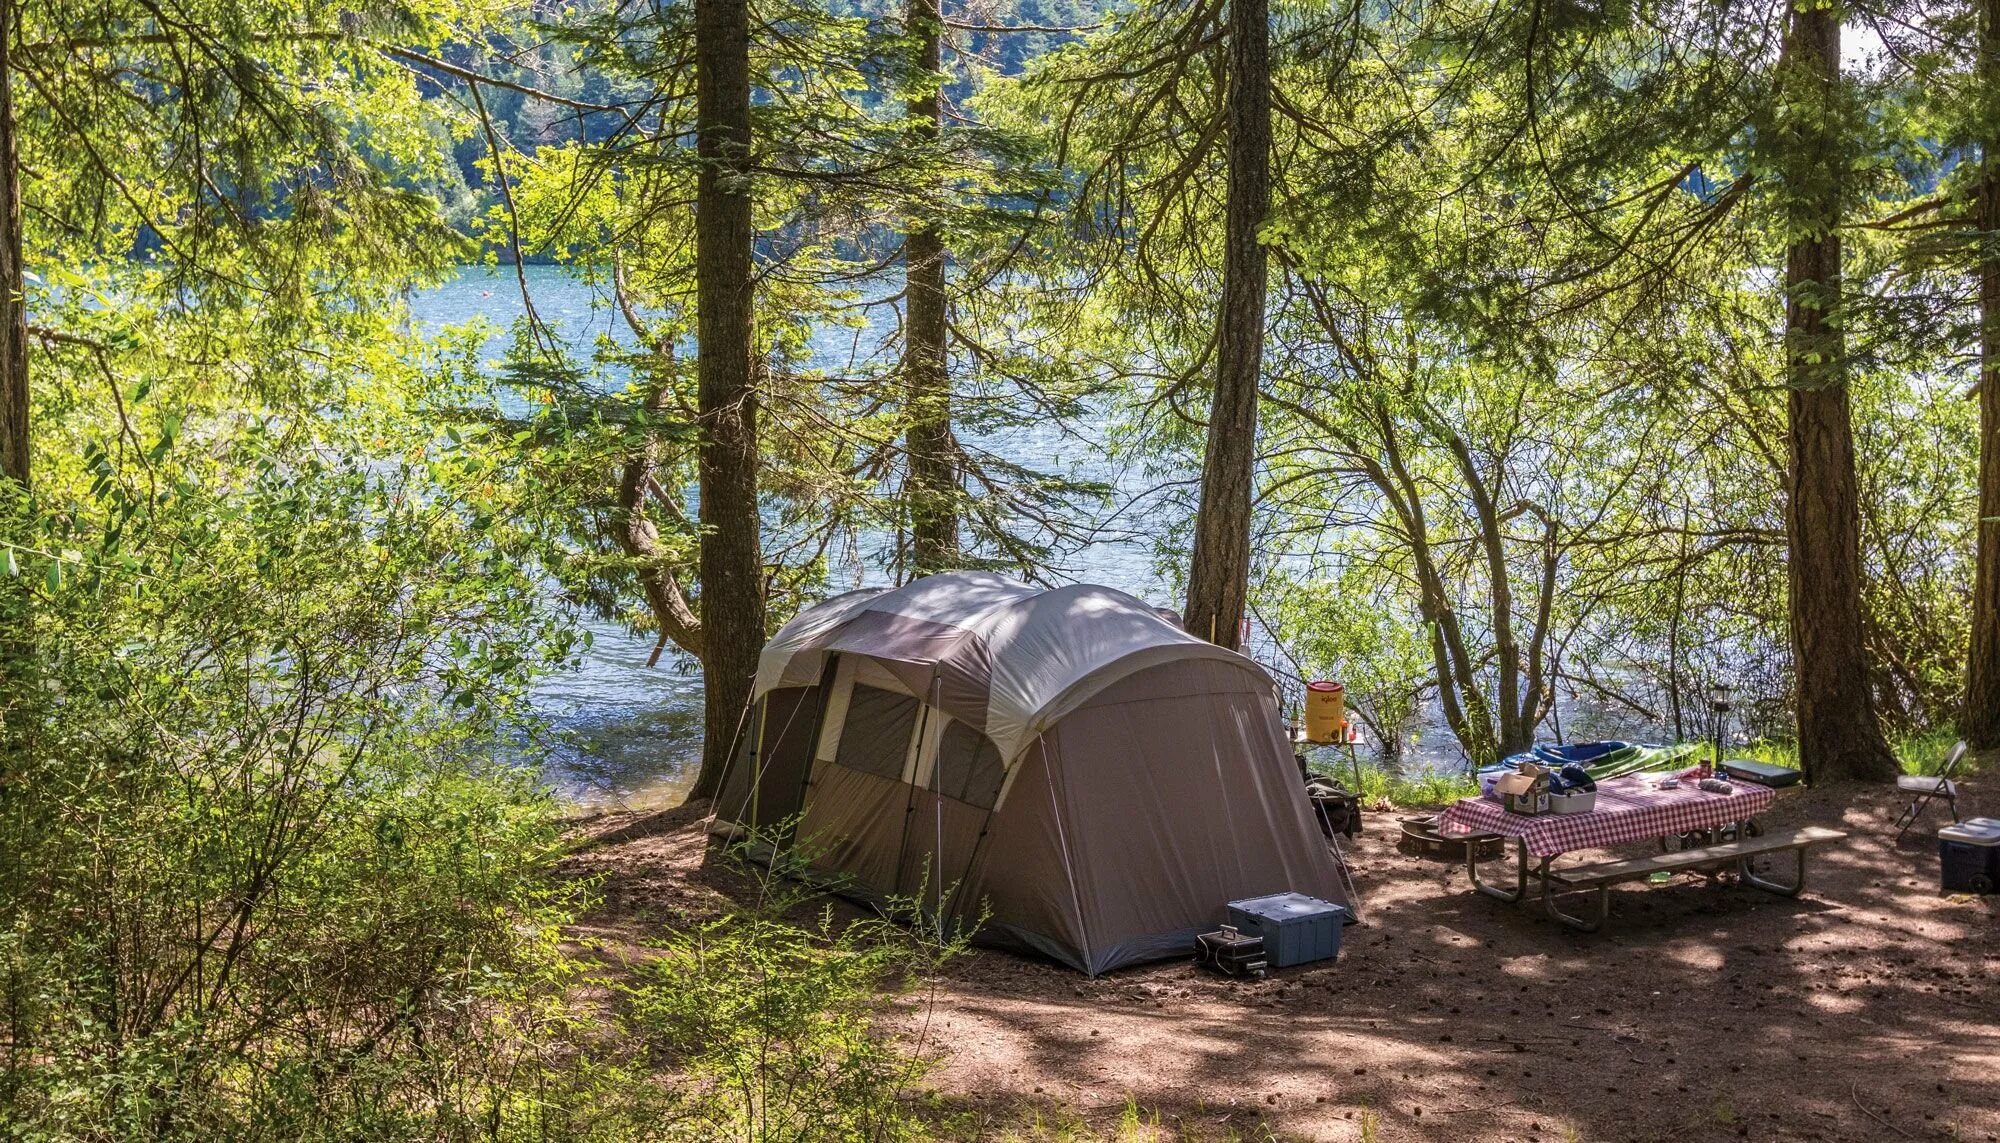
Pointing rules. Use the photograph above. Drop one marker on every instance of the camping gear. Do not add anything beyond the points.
(1926, 787)
(1632, 809)
(1570, 778)
(1628, 809)
(1572, 790)
(1525, 791)
(1296, 928)
(1721, 697)
(1091, 778)
(1573, 802)
(1337, 809)
(1326, 711)
(1583, 753)
(1620, 759)
(1760, 773)
(1231, 952)
(1421, 837)
(1969, 856)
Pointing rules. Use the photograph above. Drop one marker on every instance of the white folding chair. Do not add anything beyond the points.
(1929, 786)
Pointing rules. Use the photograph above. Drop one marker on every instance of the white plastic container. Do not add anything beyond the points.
(1576, 802)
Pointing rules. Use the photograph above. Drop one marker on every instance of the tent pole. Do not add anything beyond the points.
(821, 693)
(925, 707)
(1069, 870)
(965, 878)
(748, 810)
(722, 780)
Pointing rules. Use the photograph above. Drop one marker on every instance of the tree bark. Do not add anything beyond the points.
(1839, 736)
(1219, 567)
(1980, 720)
(732, 587)
(13, 280)
(931, 492)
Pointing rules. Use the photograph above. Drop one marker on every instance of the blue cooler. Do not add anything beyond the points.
(1296, 928)
(1969, 855)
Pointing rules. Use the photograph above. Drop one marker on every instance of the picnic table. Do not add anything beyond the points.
(1713, 829)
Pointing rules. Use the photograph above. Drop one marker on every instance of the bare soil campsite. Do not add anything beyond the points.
(1868, 1008)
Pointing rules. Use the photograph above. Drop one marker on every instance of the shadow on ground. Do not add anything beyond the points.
(1868, 1008)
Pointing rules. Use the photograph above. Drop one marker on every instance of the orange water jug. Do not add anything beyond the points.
(1326, 712)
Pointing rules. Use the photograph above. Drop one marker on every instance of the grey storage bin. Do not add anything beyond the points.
(1296, 928)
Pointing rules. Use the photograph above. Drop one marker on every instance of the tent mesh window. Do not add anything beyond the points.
(876, 735)
(969, 767)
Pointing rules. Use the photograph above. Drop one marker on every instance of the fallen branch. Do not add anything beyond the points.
(1854, 1090)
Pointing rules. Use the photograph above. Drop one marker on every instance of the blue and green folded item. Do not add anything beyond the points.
(1581, 753)
(1597, 760)
(1571, 779)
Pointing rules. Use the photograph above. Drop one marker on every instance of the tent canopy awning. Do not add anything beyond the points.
(1004, 657)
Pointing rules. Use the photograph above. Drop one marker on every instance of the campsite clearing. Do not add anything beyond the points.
(1868, 1009)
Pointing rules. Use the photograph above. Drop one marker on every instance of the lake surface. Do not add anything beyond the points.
(629, 735)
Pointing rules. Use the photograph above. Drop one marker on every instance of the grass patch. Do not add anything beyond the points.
(1386, 789)
(1921, 752)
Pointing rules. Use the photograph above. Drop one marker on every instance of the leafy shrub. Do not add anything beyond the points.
(255, 880)
(778, 1028)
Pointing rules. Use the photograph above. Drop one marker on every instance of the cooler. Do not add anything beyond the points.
(1969, 855)
(1296, 928)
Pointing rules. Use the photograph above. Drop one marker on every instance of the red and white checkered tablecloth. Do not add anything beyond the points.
(1628, 809)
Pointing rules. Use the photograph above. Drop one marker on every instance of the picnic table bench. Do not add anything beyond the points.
(1715, 831)
(1602, 875)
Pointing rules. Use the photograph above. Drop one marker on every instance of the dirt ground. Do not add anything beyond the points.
(1867, 1008)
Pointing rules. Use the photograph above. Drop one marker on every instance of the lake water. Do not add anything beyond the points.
(629, 735)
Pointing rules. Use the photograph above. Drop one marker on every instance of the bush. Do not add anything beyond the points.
(778, 1029)
(255, 880)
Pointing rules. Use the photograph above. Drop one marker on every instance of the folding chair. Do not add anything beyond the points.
(1927, 787)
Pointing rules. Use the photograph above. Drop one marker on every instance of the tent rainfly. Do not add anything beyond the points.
(1067, 764)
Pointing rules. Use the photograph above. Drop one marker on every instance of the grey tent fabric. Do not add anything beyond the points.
(969, 767)
(1099, 807)
(765, 785)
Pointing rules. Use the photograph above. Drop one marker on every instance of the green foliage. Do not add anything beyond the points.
(1921, 752)
(1382, 786)
(259, 876)
(1350, 629)
(781, 1027)
(257, 883)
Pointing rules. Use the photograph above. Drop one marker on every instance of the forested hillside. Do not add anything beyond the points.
(1481, 355)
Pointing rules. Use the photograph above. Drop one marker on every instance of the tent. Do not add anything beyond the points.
(1092, 781)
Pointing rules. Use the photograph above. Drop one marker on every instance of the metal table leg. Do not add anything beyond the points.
(1588, 923)
(1520, 870)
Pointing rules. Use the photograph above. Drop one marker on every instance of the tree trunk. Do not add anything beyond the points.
(1980, 721)
(1839, 737)
(1219, 568)
(732, 571)
(13, 311)
(930, 493)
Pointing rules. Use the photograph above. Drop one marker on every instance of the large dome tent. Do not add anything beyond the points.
(1092, 779)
